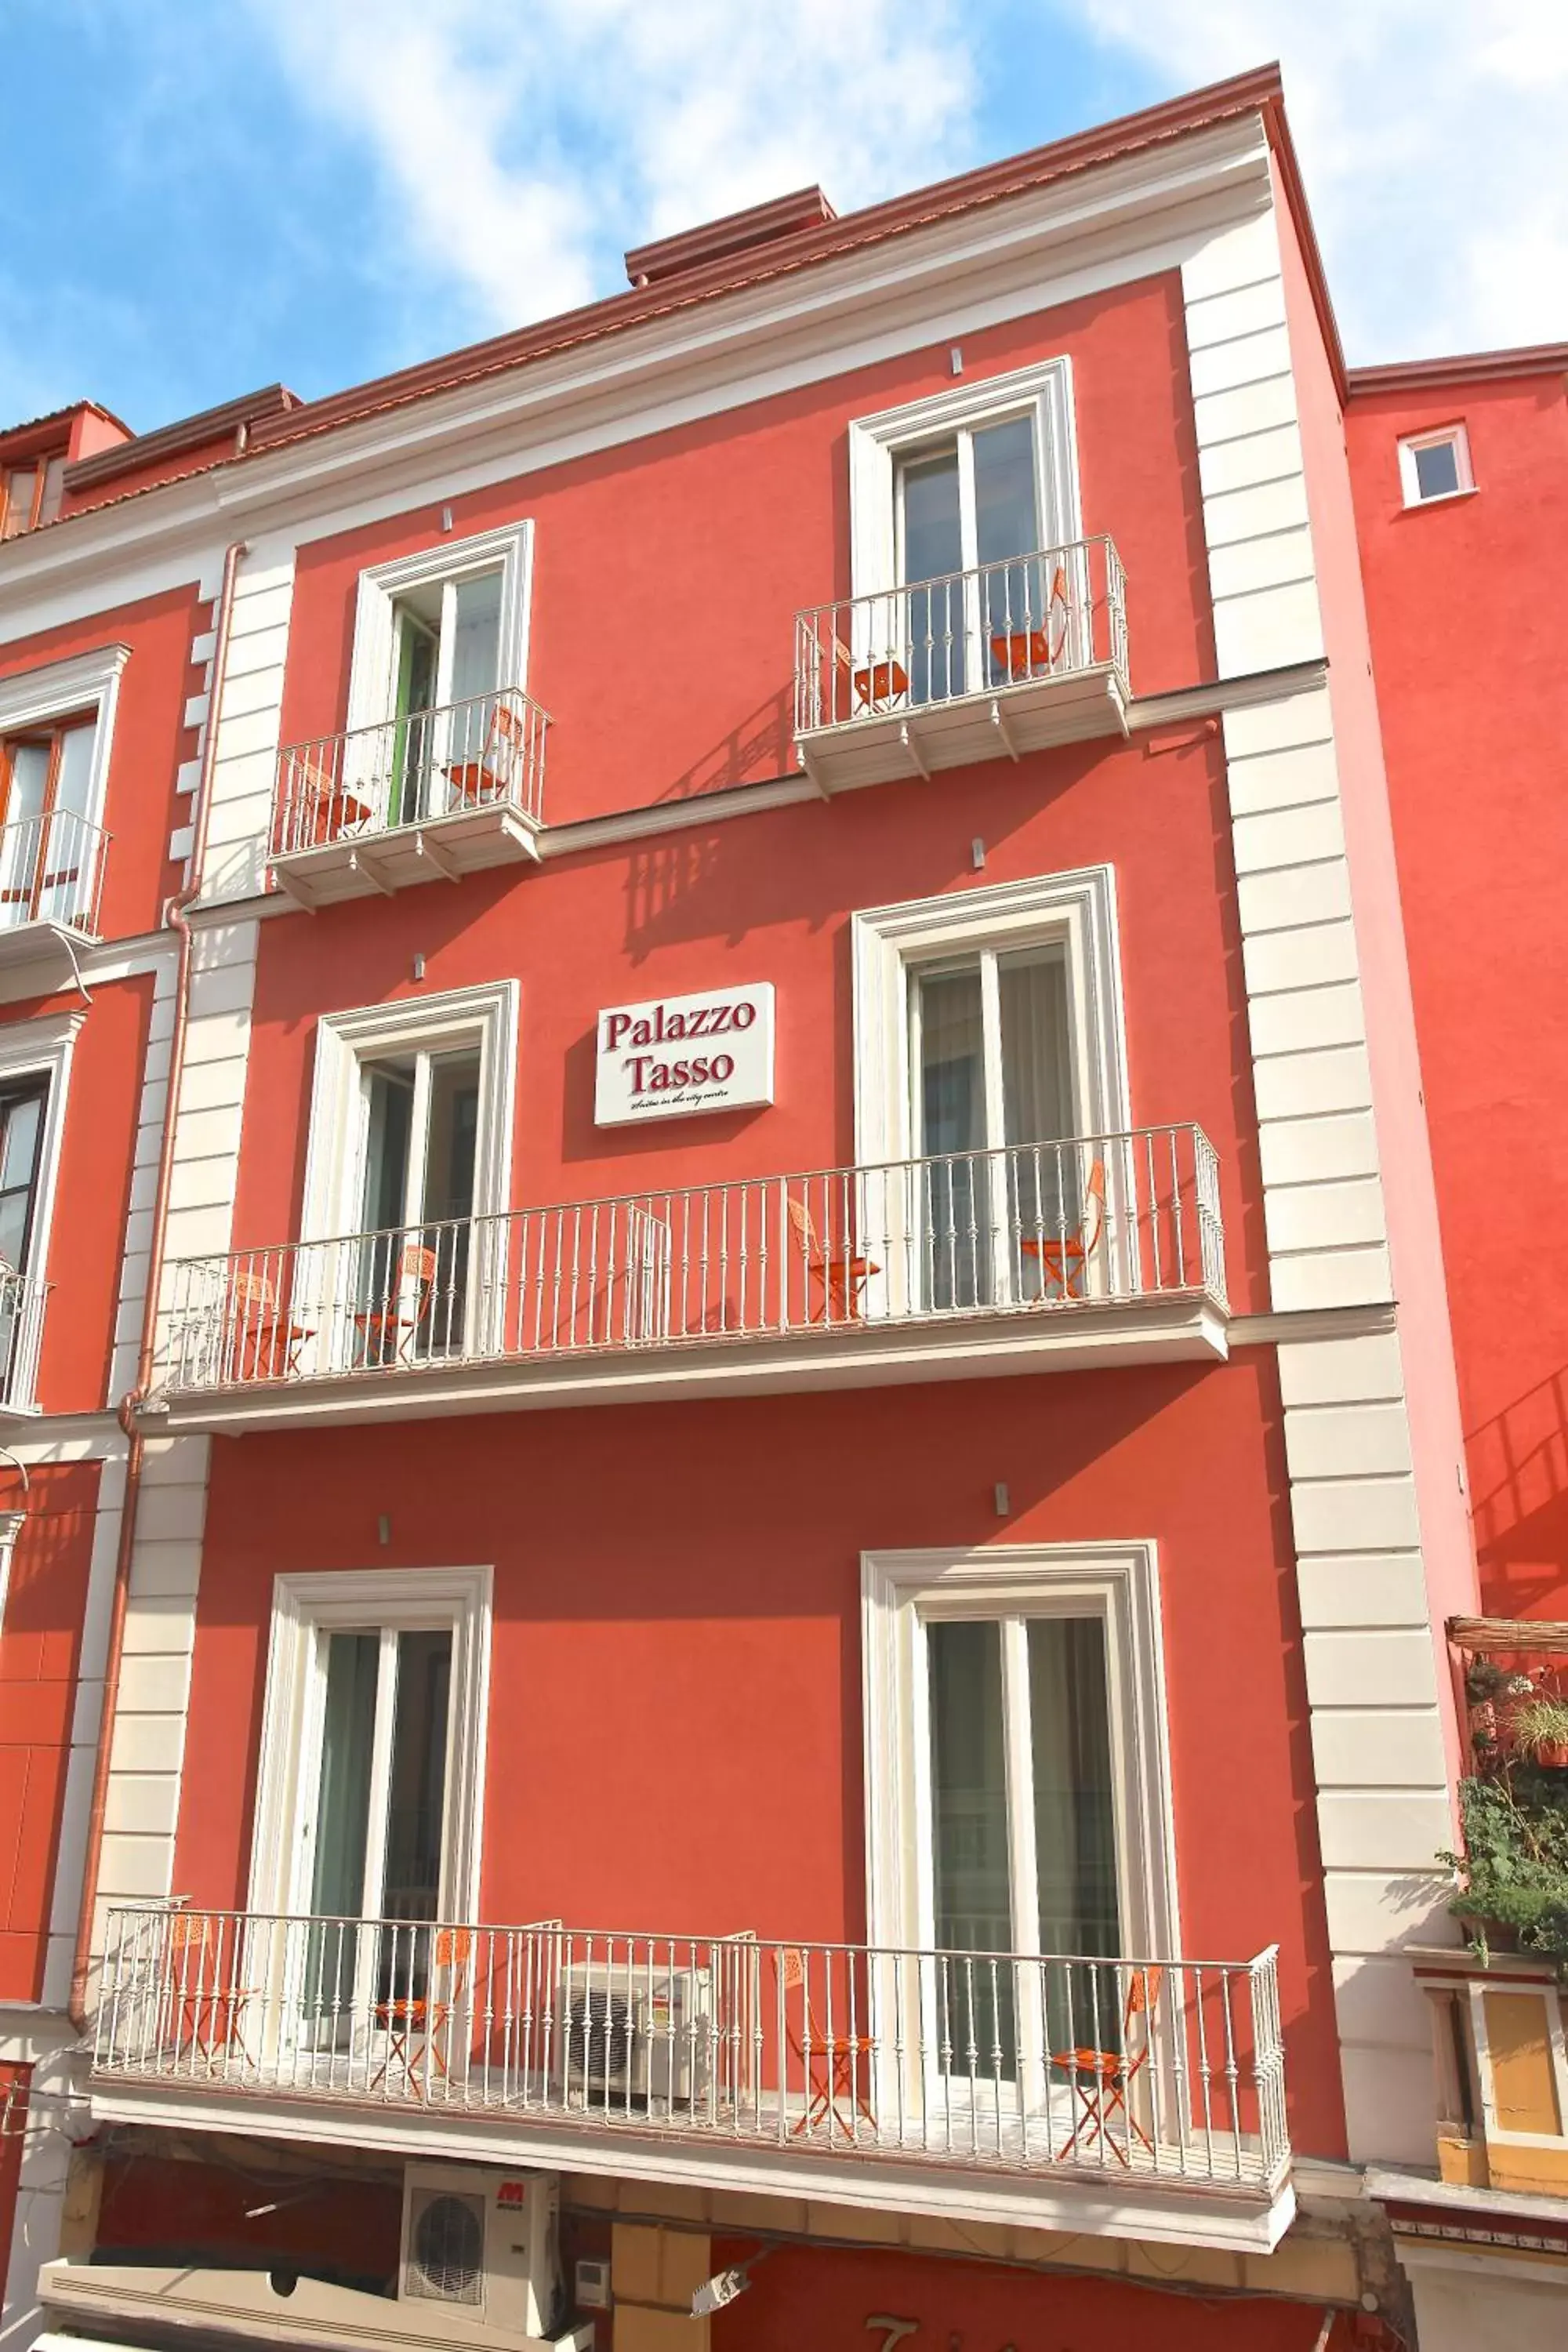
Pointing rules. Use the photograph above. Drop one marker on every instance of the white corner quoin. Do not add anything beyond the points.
(683, 1054)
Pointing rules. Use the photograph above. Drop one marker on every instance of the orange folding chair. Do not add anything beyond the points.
(1063, 1258)
(832, 2065)
(318, 810)
(495, 774)
(876, 684)
(1025, 654)
(1102, 2078)
(388, 1331)
(265, 1344)
(204, 2011)
(414, 2023)
(842, 1275)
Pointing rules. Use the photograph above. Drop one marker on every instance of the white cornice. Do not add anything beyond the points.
(1101, 227)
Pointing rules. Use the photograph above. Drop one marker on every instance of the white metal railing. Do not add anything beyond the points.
(485, 753)
(22, 1297)
(1171, 2069)
(1035, 1228)
(51, 871)
(986, 631)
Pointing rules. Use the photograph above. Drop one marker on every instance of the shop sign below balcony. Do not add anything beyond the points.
(424, 796)
(683, 1054)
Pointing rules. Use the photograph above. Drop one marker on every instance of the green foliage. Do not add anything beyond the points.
(1515, 1863)
(1538, 1723)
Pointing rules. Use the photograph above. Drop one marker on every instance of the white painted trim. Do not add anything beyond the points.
(1446, 436)
(510, 549)
(343, 1039)
(11, 1526)
(1116, 1581)
(42, 1048)
(66, 689)
(306, 1605)
(1078, 909)
(876, 442)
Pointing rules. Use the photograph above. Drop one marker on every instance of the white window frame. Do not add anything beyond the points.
(84, 683)
(1074, 912)
(900, 1591)
(308, 1606)
(1443, 437)
(877, 443)
(345, 1041)
(41, 1049)
(373, 669)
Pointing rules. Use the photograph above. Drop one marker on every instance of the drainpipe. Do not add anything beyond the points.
(175, 918)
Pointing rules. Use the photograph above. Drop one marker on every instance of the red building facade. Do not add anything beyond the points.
(773, 1450)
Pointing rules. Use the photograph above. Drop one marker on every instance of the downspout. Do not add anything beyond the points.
(175, 918)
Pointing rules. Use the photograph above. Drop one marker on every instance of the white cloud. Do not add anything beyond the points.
(1431, 142)
(516, 150)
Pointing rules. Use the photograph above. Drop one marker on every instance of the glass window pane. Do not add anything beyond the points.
(932, 549)
(971, 1877)
(1005, 513)
(23, 1119)
(54, 489)
(1075, 1813)
(343, 1802)
(417, 1800)
(29, 778)
(476, 640)
(74, 775)
(1043, 1188)
(389, 1114)
(1437, 469)
(952, 1110)
(20, 485)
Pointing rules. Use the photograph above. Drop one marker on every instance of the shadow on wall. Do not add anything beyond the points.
(1518, 1465)
(758, 748)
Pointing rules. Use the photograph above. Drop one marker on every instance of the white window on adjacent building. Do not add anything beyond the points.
(1435, 466)
(56, 727)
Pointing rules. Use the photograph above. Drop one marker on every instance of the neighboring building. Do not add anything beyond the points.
(796, 1502)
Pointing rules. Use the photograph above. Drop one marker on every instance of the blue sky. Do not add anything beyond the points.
(229, 192)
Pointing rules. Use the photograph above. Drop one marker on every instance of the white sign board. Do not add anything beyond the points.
(682, 1054)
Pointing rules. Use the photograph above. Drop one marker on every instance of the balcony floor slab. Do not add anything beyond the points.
(1242, 2216)
(1174, 1326)
(364, 866)
(879, 746)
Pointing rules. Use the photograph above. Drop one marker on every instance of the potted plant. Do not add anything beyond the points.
(1539, 1728)
(1515, 1862)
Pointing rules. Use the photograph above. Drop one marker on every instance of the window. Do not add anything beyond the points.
(409, 1157)
(34, 1070)
(370, 1776)
(48, 845)
(1435, 466)
(992, 1066)
(30, 495)
(988, 1041)
(1017, 1797)
(983, 475)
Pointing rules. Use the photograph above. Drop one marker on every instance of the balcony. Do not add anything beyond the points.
(983, 664)
(1042, 1256)
(1061, 2091)
(432, 795)
(22, 1297)
(51, 879)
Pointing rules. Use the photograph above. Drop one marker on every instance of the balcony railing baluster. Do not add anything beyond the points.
(409, 770)
(1030, 1229)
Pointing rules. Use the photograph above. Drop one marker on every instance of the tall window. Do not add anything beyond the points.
(418, 1145)
(970, 506)
(1022, 1824)
(23, 1110)
(446, 659)
(991, 1062)
(48, 848)
(30, 494)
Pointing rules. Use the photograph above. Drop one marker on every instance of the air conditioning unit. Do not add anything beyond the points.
(630, 2033)
(478, 2273)
(483, 2246)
